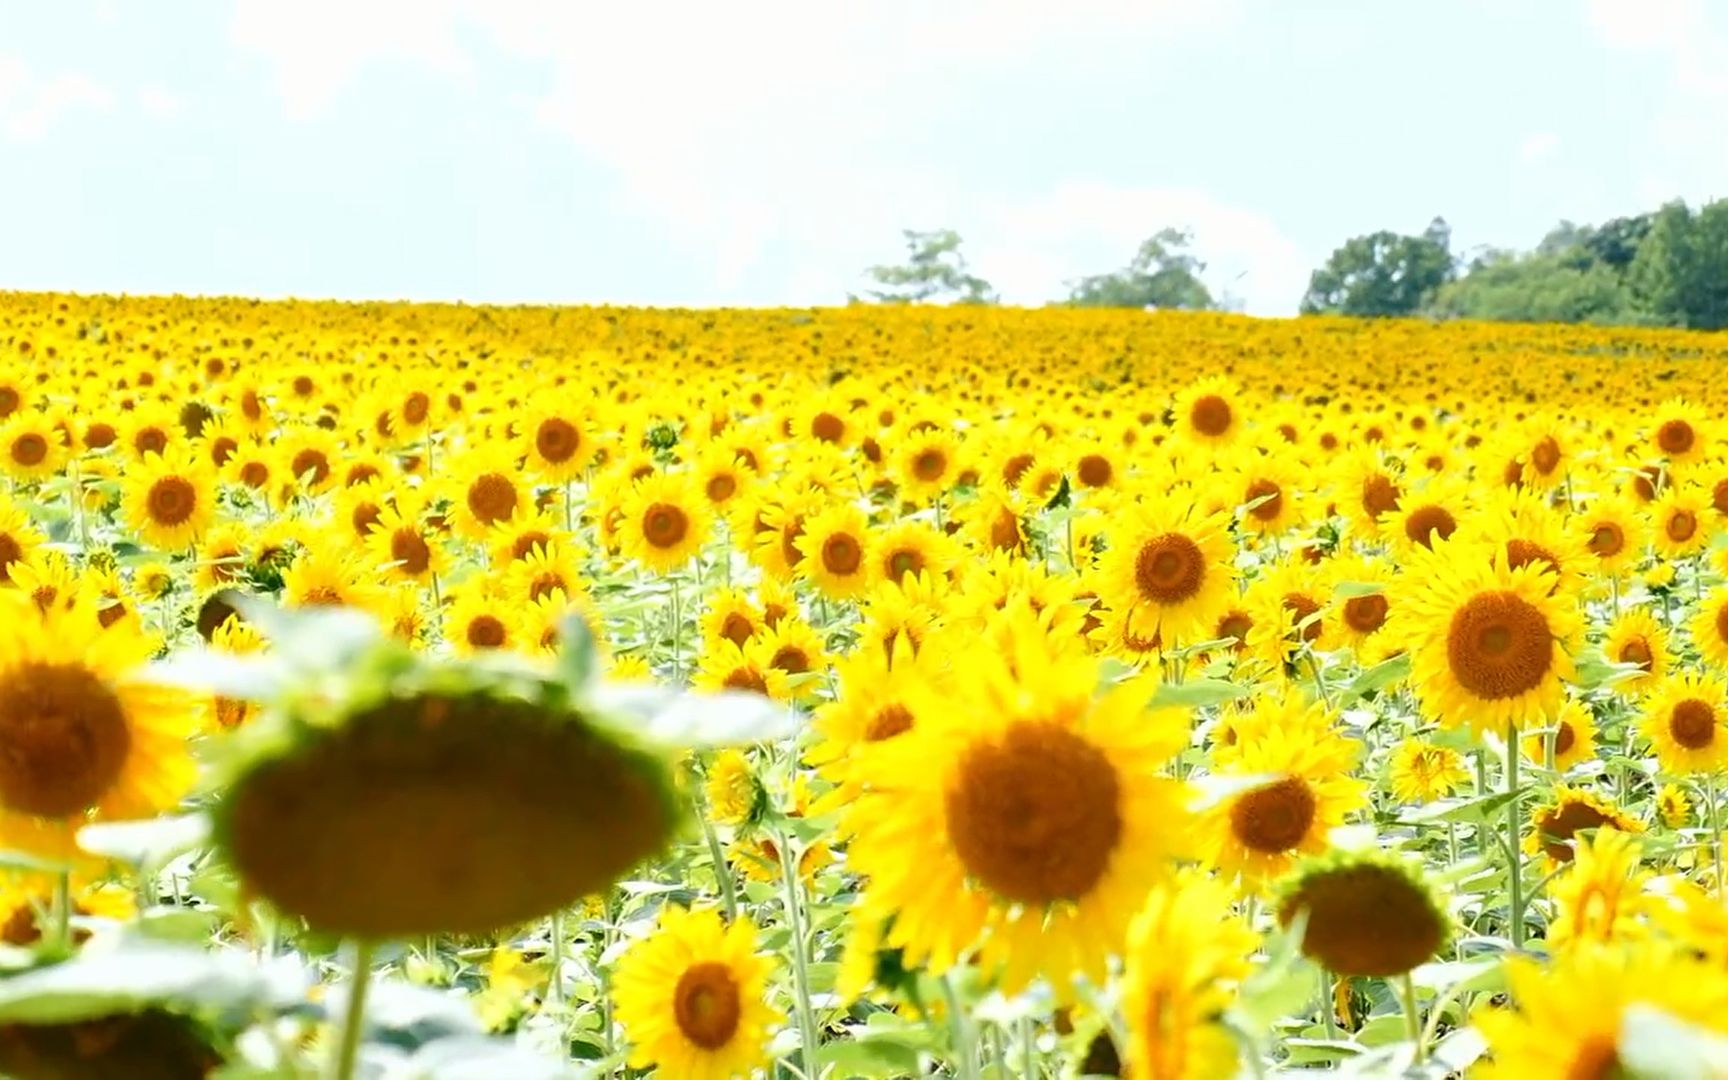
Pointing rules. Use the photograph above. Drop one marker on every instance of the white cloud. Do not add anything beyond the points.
(1538, 148)
(159, 102)
(316, 47)
(31, 105)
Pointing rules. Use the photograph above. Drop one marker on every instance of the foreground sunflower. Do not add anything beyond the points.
(1492, 644)
(1026, 820)
(81, 737)
(692, 998)
(1169, 568)
(170, 498)
(1683, 719)
(1364, 913)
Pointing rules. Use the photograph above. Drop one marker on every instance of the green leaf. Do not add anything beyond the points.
(1381, 675)
(129, 978)
(870, 1055)
(1196, 693)
(1349, 590)
(152, 842)
(578, 658)
(1657, 1046)
(672, 718)
(475, 1057)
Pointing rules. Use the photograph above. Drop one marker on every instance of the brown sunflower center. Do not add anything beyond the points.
(1005, 531)
(171, 500)
(721, 487)
(1499, 645)
(1169, 569)
(1235, 625)
(150, 441)
(791, 659)
(1365, 920)
(1559, 824)
(737, 628)
(1521, 553)
(29, 449)
(1379, 495)
(1564, 738)
(64, 739)
(827, 427)
(1675, 437)
(889, 721)
(1545, 455)
(1036, 816)
(1094, 470)
(311, 462)
(1427, 522)
(557, 440)
(1719, 497)
(707, 1005)
(664, 525)
(10, 552)
(364, 517)
(929, 464)
(415, 408)
(1270, 496)
(1607, 541)
(1301, 606)
(789, 534)
(1681, 526)
(254, 474)
(841, 554)
(492, 498)
(222, 447)
(1015, 467)
(1211, 415)
(1274, 817)
(1692, 723)
(904, 561)
(1637, 651)
(99, 435)
(410, 552)
(1365, 614)
(746, 678)
(1596, 1058)
(486, 632)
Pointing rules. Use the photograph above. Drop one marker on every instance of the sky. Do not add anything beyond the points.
(764, 152)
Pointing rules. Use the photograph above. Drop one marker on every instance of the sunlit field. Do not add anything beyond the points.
(439, 691)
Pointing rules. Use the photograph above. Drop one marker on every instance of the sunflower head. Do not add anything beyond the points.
(1364, 913)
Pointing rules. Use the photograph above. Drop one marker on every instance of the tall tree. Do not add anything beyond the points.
(934, 271)
(1383, 273)
(1162, 275)
(1681, 267)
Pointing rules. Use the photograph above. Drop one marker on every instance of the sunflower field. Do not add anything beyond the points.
(439, 691)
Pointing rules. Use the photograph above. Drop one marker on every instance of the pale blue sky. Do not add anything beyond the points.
(758, 153)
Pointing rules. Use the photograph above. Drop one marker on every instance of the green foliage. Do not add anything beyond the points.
(1681, 268)
(1161, 275)
(934, 271)
(1568, 286)
(1382, 274)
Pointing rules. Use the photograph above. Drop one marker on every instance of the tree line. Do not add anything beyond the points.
(1664, 268)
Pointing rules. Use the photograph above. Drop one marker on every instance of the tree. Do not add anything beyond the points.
(1680, 271)
(1383, 273)
(934, 270)
(1161, 275)
(1555, 283)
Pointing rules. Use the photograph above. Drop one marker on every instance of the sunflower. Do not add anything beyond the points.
(1209, 412)
(1550, 456)
(1637, 638)
(1568, 1016)
(834, 551)
(1361, 590)
(150, 431)
(926, 463)
(325, 576)
(19, 537)
(1422, 771)
(1572, 810)
(1683, 719)
(1270, 499)
(725, 666)
(222, 557)
(730, 614)
(239, 638)
(665, 522)
(479, 620)
(1709, 627)
(557, 441)
(909, 612)
(793, 647)
(170, 499)
(485, 489)
(1365, 913)
(1368, 491)
(1679, 432)
(1491, 643)
(1187, 954)
(82, 737)
(911, 547)
(30, 448)
(1601, 896)
(1673, 806)
(722, 476)
(1094, 468)
(1429, 513)
(308, 460)
(692, 997)
(1612, 531)
(1521, 529)
(1291, 614)
(1026, 819)
(51, 580)
(254, 467)
(881, 695)
(403, 546)
(545, 570)
(1680, 525)
(1574, 734)
(1170, 569)
(1258, 831)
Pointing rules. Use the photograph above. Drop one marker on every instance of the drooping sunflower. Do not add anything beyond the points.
(1570, 811)
(327, 576)
(82, 737)
(1169, 568)
(222, 557)
(1684, 720)
(1568, 1016)
(170, 498)
(1673, 806)
(834, 551)
(1422, 771)
(1491, 644)
(1366, 913)
(1026, 820)
(1428, 513)
(692, 997)
(1186, 956)
(1270, 491)
(308, 458)
(665, 523)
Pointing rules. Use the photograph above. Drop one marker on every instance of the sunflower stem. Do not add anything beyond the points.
(555, 987)
(63, 909)
(1715, 829)
(998, 1050)
(1028, 1049)
(1326, 1005)
(1319, 683)
(807, 1034)
(569, 525)
(354, 1015)
(1514, 859)
(722, 872)
(1413, 1017)
(677, 631)
(965, 1063)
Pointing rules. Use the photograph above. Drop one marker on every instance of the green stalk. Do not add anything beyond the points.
(722, 872)
(807, 1034)
(63, 910)
(1326, 1008)
(1413, 1018)
(1028, 1050)
(555, 991)
(1715, 830)
(354, 1017)
(965, 1061)
(1513, 825)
